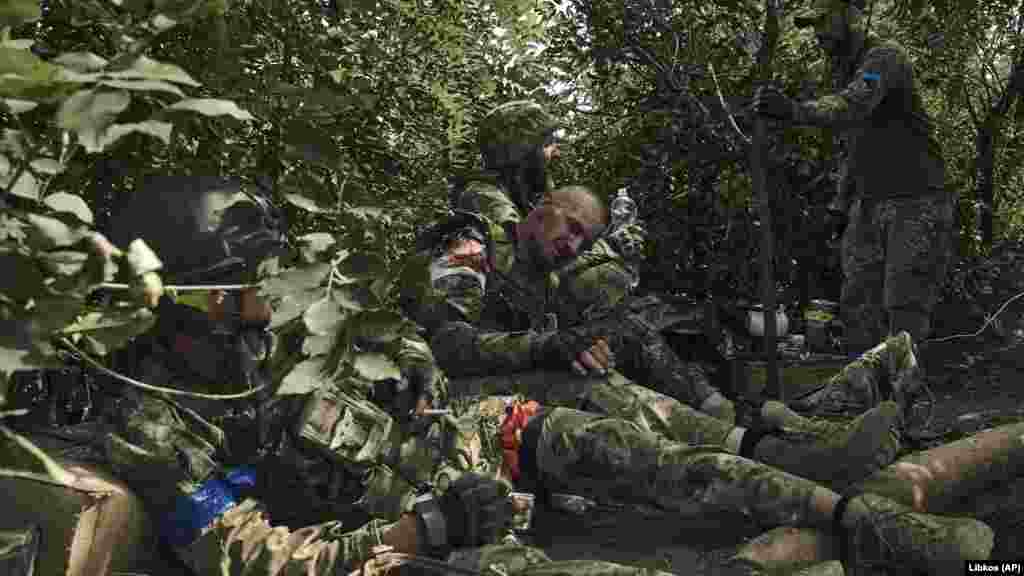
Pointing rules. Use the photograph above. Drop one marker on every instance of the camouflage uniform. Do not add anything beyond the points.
(897, 247)
(493, 321)
(600, 277)
(180, 458)
(611, 439)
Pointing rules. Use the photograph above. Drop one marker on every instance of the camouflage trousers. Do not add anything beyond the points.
(612, 395)
(630, 442)
(609, 457)
(895, 255)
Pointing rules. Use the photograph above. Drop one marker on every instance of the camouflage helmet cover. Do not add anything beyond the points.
(516, 124)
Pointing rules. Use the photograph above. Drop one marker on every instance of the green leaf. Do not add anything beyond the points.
(88, 113)
(64, 262)
(313, 246)
(47, 166)
(304, 378)
(161, 130)
(304, 203)
(17, 12)
(144, 85)
(316, 345)
(148, 69)
(27, 185)
(51, 233)
(64, 202)
(161, 22)
(375, 367)
(293, 291)
(110, 329)
(379, 326)
(19, 106)
(12, 360)
(81, 61)
(212, 107)
(25, 75)
(323, 317)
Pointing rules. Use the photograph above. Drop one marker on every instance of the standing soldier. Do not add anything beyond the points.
(896, 248)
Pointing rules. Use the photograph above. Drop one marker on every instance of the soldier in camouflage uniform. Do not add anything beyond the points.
(517, 142)
(897, 245)
(207, 451)
(601, 435)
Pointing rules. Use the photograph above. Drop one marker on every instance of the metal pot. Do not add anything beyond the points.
(755, 321)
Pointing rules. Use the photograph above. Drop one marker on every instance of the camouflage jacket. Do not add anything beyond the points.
(891, 144)
(330, 448)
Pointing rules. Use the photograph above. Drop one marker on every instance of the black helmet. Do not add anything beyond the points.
(204, 229)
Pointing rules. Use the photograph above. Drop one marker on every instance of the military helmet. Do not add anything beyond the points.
(204, 229)
(820, 8)
(507, 132)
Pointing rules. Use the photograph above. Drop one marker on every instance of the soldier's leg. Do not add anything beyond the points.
(614, 458)
(861, 301)
(919, 236)
(833, 454)
(888, 371)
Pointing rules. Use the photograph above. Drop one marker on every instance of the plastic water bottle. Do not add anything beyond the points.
(623, 210)
(624, 214)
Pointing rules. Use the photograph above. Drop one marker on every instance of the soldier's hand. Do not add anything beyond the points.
(771, 102)
(597, 359)
(581, 349)
(477, 510)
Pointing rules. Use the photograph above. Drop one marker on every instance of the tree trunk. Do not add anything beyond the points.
(987, 145)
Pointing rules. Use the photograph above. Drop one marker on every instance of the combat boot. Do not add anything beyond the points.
(837, 455)
(889, 371)
(882, 532)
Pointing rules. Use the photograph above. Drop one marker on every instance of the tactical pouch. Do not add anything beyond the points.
(346, 429)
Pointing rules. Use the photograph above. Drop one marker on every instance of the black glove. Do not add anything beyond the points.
(476, 510)
(560, 349)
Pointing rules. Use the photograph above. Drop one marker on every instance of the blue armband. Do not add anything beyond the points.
(194, 512)
(872, 76)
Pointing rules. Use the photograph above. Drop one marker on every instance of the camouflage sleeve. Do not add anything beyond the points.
(883, 69)
(244, 541)
(490, 202)
(414, 355)
(463, 350)
(596, 281)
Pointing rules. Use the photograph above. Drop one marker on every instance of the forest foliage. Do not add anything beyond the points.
(356, 113)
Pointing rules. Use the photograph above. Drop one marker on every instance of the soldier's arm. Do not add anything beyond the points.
(458, 283)
(490, 202)
(883, 68)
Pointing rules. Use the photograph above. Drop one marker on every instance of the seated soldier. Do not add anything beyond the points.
(517, 145)
(641, 445)
(487, 330)
(192, 446)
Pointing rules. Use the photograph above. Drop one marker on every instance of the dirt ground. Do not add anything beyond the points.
(975, 387)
